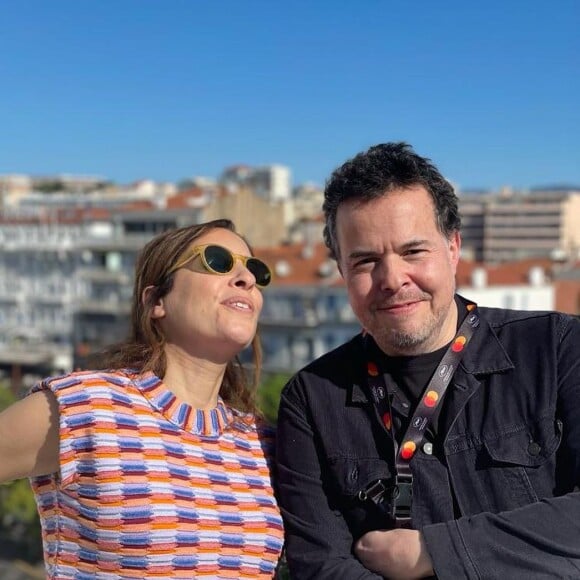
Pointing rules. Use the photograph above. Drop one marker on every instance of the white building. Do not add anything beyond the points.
(535, 292)
(271, 182)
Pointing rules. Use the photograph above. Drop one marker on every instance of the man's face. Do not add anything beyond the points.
(399, 270)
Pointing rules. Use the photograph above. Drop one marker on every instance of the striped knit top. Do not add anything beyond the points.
(150, 487)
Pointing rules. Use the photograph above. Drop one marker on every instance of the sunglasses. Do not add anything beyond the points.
(219, 260)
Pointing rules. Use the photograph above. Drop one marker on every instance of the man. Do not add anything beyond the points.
(445, 438)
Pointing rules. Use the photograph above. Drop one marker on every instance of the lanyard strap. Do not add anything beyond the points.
(401, 491)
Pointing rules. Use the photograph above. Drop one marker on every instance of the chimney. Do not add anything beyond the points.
(479, 277)
(536, 276)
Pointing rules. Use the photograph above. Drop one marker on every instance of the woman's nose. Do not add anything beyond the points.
(243, 278)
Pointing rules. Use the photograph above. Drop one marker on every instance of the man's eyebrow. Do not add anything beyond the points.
(355, 254)
(413, 244)
(410, 245)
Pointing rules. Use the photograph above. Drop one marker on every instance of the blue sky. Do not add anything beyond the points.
(168, 89)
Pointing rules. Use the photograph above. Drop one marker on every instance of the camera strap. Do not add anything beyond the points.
(398, 493)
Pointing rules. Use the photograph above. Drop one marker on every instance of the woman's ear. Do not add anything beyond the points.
(156, 306)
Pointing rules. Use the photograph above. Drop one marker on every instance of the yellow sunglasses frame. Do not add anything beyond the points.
(195, 251)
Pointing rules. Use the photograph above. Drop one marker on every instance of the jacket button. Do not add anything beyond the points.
(354, 474)
(534, 448)
(428, 448)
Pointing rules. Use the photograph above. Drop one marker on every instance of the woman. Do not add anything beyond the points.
(158, 466)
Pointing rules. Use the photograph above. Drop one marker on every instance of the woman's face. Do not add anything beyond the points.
(207, 315)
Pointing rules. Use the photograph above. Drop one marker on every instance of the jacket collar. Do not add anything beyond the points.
(357, 393)
(484, 354)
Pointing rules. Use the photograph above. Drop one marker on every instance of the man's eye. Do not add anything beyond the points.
(415, 252)
(364, 261)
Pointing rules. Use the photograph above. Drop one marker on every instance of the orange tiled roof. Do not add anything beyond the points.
(303, 264)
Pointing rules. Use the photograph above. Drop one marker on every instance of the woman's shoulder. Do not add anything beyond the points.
(254, 423)
(83, 380)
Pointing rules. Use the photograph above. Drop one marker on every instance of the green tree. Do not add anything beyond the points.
(269, 401)
(20, 533)
(6, 396)
(50, 186)
(269, 394)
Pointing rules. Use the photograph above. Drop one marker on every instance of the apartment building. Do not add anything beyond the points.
(473, 211)
(500, 228)
(306, 311)
(12, 188)
(38, 287)
(262, 221)
(57, 270)
(270, 182)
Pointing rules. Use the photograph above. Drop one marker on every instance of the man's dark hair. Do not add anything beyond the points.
(380, 170)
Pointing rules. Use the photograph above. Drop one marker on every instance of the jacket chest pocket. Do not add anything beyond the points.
(347, 478)
(505, 472)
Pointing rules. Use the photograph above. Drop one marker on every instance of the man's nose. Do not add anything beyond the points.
(392, 274)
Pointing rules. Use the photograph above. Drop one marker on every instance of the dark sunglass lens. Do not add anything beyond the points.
(260, 271)
(219, 259)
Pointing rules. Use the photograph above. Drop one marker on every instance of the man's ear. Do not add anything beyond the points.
(156, 306)
(455, 247)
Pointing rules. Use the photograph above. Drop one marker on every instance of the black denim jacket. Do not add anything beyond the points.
(509, 444)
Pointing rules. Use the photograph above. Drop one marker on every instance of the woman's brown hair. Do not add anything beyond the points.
(144, 349)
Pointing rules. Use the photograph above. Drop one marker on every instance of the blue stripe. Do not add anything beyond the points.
(166, 398)
(187, 538)
(225, 498)
(185, 561)
(122, 420)
(218, 478)
(232, 540)
(229, 562)
(226, 518)
(182, 413)
(134, 562)
(273, 544)
(176, 470)
(188, 514)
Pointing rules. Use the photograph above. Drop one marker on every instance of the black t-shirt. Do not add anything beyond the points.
(406, 378)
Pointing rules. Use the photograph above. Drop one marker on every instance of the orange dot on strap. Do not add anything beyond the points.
(387, 420)
(431, 399)
(408, 450)
(457, 346)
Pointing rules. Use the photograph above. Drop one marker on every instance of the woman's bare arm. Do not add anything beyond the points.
(29, 437)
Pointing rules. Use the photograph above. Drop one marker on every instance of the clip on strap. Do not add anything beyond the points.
(375, 492)
(396, 498)
(401, 500)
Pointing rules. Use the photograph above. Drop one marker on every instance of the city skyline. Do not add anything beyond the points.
(144, 90)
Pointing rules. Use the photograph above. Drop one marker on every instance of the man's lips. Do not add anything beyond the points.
(399, 306)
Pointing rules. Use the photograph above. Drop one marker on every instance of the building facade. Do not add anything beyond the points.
(499, 228)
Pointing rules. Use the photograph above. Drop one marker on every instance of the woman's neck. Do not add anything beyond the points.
(195, 381)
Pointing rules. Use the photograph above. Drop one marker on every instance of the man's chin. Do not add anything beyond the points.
(401, 344)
